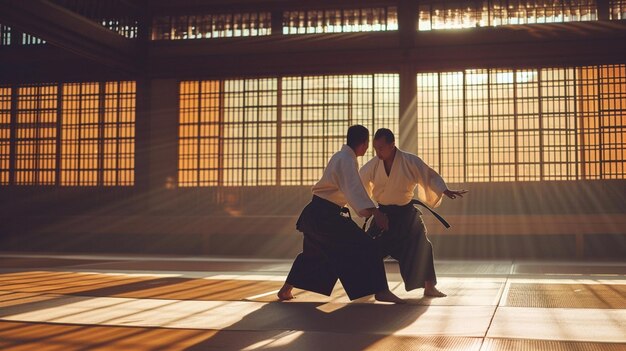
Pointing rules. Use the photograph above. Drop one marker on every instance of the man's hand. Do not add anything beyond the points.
(381, 220)
(454, 193)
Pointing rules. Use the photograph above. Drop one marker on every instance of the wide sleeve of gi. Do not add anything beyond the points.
(350, 185)
(430, 185)
(367, 175)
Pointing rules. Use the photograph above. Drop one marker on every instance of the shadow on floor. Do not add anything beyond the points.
(353, 326)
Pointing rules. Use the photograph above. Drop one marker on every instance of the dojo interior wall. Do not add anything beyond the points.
(516, 219)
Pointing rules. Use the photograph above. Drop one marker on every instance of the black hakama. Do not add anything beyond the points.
(336, 248)
(406, 242)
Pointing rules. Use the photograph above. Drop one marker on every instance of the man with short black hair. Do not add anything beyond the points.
(334, 246)
(391, 179)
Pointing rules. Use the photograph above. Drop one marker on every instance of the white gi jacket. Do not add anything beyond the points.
(341, 184)
(408, 172)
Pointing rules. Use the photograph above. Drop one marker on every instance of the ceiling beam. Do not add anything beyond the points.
(70, 31)
(521, 46)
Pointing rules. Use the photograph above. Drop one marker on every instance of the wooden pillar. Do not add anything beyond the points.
(277, 23)
(144, 109)
(161, 141)
(407, 22)
(407, 30)
(603, 10)
(408, 109)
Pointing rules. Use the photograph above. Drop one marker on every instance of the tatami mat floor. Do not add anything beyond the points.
(97, 302)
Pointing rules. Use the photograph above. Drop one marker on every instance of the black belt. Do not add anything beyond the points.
(437, 215)
(415, 202)
(331, 206)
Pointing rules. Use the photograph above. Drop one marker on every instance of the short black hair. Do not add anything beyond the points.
(357, 135)
(385, 133)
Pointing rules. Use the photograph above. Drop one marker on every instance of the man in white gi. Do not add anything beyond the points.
(391, 179)
(334, 246)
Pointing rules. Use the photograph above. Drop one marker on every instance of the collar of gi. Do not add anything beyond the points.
(348, 149)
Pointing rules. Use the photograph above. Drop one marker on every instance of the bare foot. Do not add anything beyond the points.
(388, 296)
(433, 292)
(285, 292)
